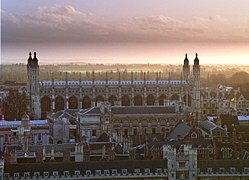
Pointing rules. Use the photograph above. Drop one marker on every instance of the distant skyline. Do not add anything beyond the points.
(159, 31)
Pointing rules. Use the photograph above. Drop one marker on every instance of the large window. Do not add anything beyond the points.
(73, 102)
(86, 102)
(59, 103)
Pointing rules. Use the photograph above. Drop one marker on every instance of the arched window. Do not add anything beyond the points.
(59, 103)
(45, 106)
(150, 100)
(125, 100)
(189, 100)
(73, 102)
(86, 102)
(161, 99)
(175, 97)
(99, 98)
(138, 100)
(112, 100)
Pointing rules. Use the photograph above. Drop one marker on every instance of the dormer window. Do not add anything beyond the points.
(193, 135)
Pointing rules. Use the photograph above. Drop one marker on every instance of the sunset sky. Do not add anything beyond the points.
(119, 31)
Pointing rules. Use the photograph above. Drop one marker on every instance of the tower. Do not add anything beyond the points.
(186, 68)
(196, 93)
(24, 133)
(33, 86)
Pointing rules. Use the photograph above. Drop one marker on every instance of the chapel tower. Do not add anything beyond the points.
(186, 68)
(196, 83)
(33, 86)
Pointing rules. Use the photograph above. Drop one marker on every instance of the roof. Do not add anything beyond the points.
(111, 83)
(57, 147)
(69, 114)
(243, 118)
(15, 124)
(143, 110)
(180, 131)
(207, 125)
(211, 118)
(132, 110)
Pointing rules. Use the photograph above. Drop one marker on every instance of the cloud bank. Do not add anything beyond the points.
(65, 24)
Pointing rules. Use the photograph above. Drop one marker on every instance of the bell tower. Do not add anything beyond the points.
(33, 86)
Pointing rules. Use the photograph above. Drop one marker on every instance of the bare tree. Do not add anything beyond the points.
(15, 105)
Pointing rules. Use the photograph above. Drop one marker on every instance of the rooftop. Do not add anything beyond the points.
(124, 110)
(181, 130)
(15, 124)
(111, 82)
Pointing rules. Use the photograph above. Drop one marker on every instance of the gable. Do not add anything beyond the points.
(194, 133)
(246, 155)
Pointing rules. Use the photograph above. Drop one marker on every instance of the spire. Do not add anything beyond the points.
(186, 61)
(35, 58)
(106, 78)
(93, 76)
(30, 57)
(196, 61)
(131, 77)
(119, 77)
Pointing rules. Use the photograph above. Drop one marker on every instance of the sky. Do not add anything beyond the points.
(119, 31)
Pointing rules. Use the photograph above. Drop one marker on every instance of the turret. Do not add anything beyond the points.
(25, 121)
(196, 61)
(186, 68)
(196, 81)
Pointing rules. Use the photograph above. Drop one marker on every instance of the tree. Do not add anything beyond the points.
(239, 79)
(215, 79)
(15, 105)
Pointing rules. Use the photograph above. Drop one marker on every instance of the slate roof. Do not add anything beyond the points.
(119, 110)
(69, 114)
(181, 130)
(144, 110)
(207, 125)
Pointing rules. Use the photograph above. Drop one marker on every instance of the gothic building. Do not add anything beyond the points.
(52, 96)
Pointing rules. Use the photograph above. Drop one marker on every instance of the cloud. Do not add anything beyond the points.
(64, 24)
(56, 24)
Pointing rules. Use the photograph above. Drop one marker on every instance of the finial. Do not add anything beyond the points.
(30, 54)
(34, 54)
(196, 55)
(186, 55)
